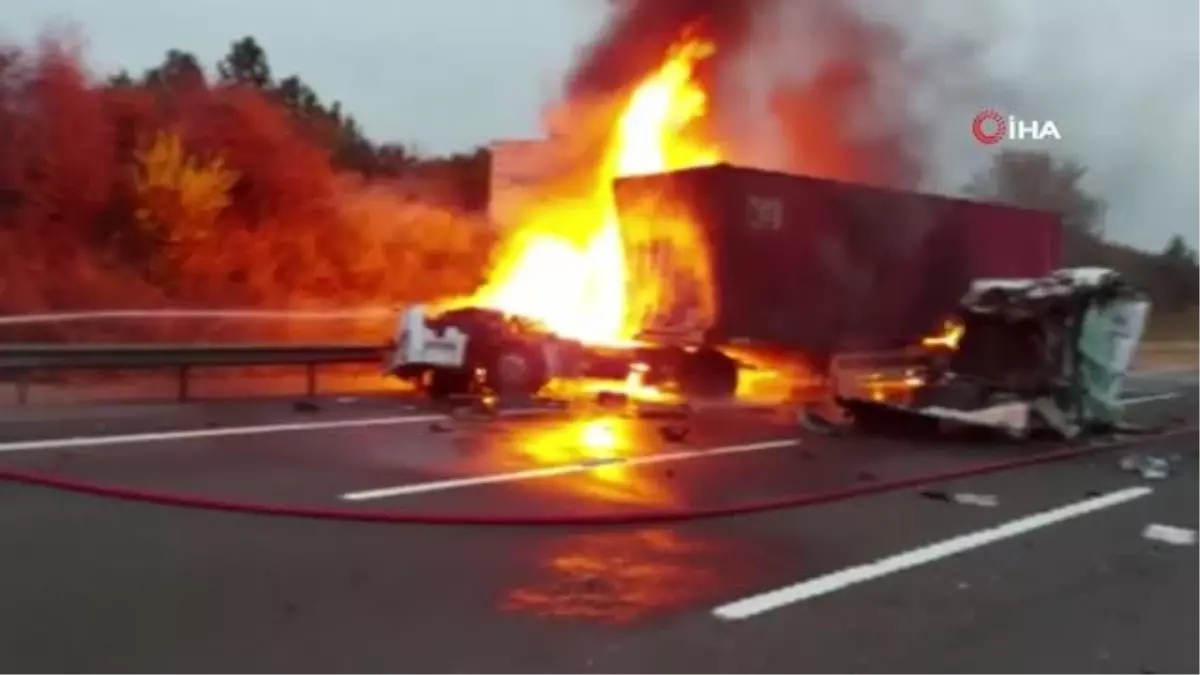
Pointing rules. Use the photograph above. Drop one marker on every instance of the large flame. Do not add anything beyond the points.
(566, 266)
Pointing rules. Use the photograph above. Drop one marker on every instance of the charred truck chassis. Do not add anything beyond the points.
(473, 351)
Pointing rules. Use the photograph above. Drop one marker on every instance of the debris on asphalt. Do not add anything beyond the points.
(306, 406)
(965, 498)
(866, 477)
(674, 434)
(1168, 534)
(1148, 466)
(441, 426)
(813, 421)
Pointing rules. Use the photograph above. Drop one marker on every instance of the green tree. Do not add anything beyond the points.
(179, 70)
(1036, 180)
(246, 63)
(121, 80)
(1179, 276)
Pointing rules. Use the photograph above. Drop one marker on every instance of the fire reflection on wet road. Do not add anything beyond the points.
(623, 577)
(604, 442)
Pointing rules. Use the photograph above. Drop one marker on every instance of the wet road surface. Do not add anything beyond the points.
(1056, 576)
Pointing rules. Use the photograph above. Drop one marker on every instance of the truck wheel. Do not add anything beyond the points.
(516, 370)
(707, 373)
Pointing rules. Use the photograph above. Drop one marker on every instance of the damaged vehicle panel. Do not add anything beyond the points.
(1034, 356)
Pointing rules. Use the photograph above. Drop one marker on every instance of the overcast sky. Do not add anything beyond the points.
(1118, 77)
(445, 74)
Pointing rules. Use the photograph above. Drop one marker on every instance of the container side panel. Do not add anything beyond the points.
(669, 263)
(818, 266)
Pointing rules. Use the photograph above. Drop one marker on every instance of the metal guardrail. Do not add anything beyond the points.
(19, 361)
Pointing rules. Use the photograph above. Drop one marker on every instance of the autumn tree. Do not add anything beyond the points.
(180, 197)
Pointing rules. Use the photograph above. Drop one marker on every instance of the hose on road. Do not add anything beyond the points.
(179, 500)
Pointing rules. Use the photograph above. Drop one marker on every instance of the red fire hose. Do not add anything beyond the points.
(637, 518)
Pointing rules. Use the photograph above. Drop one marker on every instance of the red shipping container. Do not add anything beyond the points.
(817, 265)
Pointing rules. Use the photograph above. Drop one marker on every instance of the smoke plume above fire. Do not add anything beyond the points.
(670, 85)
(794, 86)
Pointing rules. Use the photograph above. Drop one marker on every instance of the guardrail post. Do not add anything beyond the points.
(310, 371)
(183, 382)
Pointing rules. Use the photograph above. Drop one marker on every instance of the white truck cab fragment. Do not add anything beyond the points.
(418, 346)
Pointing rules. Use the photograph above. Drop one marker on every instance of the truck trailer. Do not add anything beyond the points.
(794, 266)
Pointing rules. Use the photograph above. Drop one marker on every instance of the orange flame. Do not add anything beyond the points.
(566, 266)
(949, 337)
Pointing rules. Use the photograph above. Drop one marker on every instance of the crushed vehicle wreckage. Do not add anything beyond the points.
(1029, 357)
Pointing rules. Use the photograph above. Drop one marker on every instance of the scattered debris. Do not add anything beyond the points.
(813, 421)
(674, 434)
(1167, 534)
(441, 426)
(965, 498)
(866, 477)
(306, 406)
(1149, 467)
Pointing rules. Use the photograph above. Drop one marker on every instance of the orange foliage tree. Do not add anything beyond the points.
(170, 189)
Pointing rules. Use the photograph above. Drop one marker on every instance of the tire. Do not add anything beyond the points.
(707, 373)
(516, 369)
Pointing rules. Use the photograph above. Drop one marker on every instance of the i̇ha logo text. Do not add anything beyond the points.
(990, 127)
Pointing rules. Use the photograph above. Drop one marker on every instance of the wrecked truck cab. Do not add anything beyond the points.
(1035, 356)
(474, 351)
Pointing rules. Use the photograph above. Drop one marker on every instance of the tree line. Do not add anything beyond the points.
(174, 187)
(1038, 180)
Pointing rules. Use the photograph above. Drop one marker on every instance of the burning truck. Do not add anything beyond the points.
(797, 267)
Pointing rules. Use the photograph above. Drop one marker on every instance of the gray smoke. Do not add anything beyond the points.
(1119, 79)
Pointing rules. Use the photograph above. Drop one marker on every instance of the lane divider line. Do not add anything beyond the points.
(222, 432)
(560, 470)
(1150, 398)
(851, 576)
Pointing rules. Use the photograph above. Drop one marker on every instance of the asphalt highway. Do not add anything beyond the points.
(1048, 570)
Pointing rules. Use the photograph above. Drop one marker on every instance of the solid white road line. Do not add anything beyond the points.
(190, 434)
(1150, 398)
(560, 470)
(836, 581)
(221, 432)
